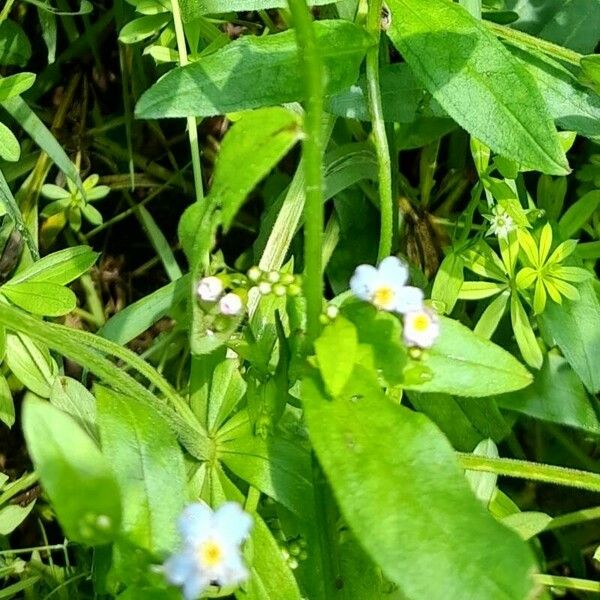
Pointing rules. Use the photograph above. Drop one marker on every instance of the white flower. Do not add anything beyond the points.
(385, 288)
(210, 289)
(501, 223)
(211, 552)
(231, 305)
(421, 328)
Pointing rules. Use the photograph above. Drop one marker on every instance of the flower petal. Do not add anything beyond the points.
(232, 523)
(235, 570)
(364, 281)
(179, 567)
(195, 522)
(409, 299)
(194, 585)
(393, 270)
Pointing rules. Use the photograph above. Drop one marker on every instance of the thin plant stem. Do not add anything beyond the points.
(524, 39)
(191, 121)
(386, 201)
(571, 583)
(532, 471)
(312, 72)
(575, 518)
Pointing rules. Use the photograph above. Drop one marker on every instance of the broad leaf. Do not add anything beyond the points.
(148, 466)
(193, 9)
(15, 48)
(76, 476)
(399, 487)
(15, 85)
(255, 71)
(9, 145)
(464, 364)
(73, 398)
(575, 327)
(40, 298)
(556, 395)
(479, 84)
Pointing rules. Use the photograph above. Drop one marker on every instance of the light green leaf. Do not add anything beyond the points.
(7, 406)
(15, 85)
(528, 345)
(575, 328)
(476, 290)
(400, 489)
(40, 298)
(483, 484)
(448, 281)
(255, 71)
(12, 515)
(148, 466)
(490, 318)
(336, 350)
(480, 85)
(9, 145)
(527, 524)
(67, 460)
(73, 398)
(30, 363)
(464, 364)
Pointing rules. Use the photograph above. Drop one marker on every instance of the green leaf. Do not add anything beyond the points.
(483, 484)
(9, 145)
(12, 515)
(464, 364)
(448, 281)
(528, 345)
(480, 85)
(271, 578)
(72, 397)
(255, 71)
(15, 85)
(399, 487)
(571, 104)
(490, 317)
(274, 465)
(149, 468)
(30, 363)
(7, 406)
(41, 135)
(527, 524)
(575, 328)
(15, 48)
(40, 298)
(143, 27)
(335, 366)
(192, 9)
(556, 395)
(579, 213)
(141, 315)
(68, 461)
(590, 68)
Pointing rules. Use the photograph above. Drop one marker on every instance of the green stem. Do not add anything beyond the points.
(191, 121)
(6, 10)
(312, 73)
(575, 518)
(534, 43)
(386, 201)
(532, 471)
(585, 585)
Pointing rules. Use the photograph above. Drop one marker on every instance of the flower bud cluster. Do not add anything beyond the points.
(212, 290)
(274, 282)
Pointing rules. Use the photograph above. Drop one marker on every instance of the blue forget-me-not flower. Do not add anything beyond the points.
(211, 550)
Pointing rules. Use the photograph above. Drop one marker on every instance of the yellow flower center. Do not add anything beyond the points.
(210, 554)
(421, 323)
(383, 297)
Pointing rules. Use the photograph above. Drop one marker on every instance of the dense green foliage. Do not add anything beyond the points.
(329, 262)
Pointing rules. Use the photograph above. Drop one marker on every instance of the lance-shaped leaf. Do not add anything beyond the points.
(477, 81)
(255, 71)
(192, 9)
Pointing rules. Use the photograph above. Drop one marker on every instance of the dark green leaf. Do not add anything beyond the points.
(192, 9)
(579, 213)
(75, 475)
(399, 487)
(255, 71)
(575, 327)
(480, 85)
(15, 48)
(148, 466)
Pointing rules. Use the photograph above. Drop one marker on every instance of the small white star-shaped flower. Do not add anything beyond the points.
(501, 223)
(385, 286)
(421, 328)
(211, 552)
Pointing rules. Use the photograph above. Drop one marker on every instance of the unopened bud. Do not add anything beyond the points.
(210, 289)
